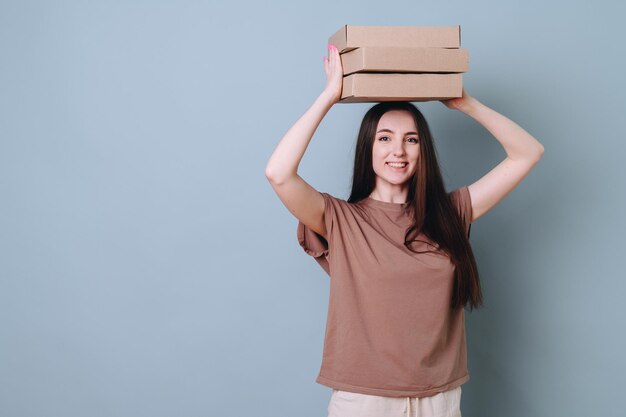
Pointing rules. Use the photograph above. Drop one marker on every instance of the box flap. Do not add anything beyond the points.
(339, 38)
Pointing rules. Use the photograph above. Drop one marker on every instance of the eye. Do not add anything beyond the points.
(383, 137)
(415, 139)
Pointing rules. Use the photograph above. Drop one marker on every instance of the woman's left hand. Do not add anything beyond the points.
(461, 103)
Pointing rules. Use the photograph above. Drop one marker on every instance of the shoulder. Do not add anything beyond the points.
(337, 202)
(334, 198)
(459, 195)
(340, 209)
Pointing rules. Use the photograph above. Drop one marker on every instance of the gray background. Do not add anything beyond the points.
(148, 269)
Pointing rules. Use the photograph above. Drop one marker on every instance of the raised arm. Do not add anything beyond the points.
(302, 200)
(523, 153)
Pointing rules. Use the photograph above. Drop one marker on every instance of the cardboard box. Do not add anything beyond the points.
(404, 59)
(374, 87)
(350, 37)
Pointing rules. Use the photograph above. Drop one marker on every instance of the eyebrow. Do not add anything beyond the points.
(391, 131)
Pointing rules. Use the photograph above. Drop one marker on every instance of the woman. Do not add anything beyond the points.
(398, 253)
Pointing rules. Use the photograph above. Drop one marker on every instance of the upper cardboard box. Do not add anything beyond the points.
(350, 37)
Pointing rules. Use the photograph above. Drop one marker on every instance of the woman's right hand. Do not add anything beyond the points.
(334, 74)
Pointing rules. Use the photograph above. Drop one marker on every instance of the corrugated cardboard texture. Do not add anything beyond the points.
(404, 59)
(370, 87)
(350, 37)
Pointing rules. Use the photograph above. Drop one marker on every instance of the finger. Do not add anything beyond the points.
(337, 58)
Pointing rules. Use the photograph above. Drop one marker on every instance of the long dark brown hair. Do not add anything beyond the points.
(432, 210)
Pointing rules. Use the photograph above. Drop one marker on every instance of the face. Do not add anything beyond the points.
(396, 140)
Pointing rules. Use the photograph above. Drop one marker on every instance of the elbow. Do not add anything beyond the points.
(269, 174)
(275, 178)
(536, 155)
(540, 152)
(531, 158)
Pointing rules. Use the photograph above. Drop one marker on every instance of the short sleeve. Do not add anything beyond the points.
(462, 202)
(314, 244)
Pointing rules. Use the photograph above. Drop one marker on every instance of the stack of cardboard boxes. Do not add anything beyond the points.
(400, 63)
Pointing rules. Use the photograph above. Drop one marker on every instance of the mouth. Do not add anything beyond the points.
(397, 166)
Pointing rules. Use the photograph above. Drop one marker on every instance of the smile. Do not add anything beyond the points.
(397, 166)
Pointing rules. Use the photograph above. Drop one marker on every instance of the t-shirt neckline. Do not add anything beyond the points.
(384, 204)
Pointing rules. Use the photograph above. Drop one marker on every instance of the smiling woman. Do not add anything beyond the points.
(394, 153)
(398, 253)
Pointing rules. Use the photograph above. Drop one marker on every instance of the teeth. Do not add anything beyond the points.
(397, 165)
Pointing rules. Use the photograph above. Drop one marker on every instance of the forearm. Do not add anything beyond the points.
(517, 143)
(286, 158)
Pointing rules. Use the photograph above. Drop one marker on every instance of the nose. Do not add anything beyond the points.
(399, 148)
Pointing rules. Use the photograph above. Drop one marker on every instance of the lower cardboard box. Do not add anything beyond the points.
(373, 87)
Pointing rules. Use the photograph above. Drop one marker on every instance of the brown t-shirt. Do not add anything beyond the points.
(390, 330)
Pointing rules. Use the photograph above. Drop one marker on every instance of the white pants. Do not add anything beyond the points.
(352, 404)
